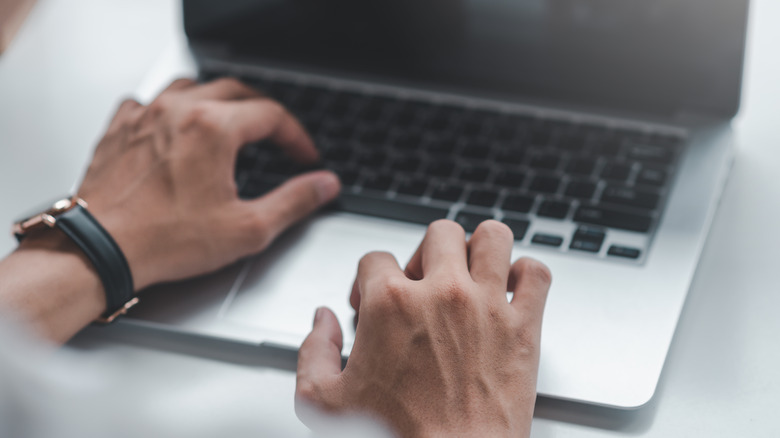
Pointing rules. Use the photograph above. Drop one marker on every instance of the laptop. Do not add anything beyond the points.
(598, 131)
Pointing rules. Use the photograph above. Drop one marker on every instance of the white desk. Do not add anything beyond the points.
(73, 61)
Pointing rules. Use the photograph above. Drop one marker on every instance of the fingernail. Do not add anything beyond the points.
(328, 187)
(317, 315)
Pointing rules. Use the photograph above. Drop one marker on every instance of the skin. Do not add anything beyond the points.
(439, 350)
(161, 182)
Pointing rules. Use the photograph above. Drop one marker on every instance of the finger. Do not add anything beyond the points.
(319, 357)
(292, 201)
(179, 85)
(413, 270)
(223, 89)
(127, 111)
(259, 119)
(375, 268)
(443, 250)
(530, 281)
(490, 251)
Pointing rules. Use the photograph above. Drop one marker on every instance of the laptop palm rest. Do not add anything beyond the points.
(272, 297)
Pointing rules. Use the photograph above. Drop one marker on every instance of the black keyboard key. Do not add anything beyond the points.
(544, 161)
(342, 103)
(437, 122)
(307, 99)
(511, 155)
(553, 209)
(440, 168)
(375, 135)
(475, 151)
(649, 153)
(614, 219)
(624, 251)
(630, 197)
(371, 158)
(518, 226)
(441, 145)
(391, 209)
(482, 198)
(651, 176)
(547, 239)
(608, 146)
(581, 166)
(470, 221)
(348, 177)
(380, 182)
(446, 192)
(375, 109)
(541, 135)
(408, 164)
(545, 184)
(518, 203)
(338, 131)
(412, 187)
(616, 171)
(408, 141)
(338, 154)
(510, 178)
(580, 189)
(282, 91)
(587, 239)
(405, 117)
(472, 124)
(574, 142)
(476, 174)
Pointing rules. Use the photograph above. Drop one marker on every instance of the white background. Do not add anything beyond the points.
(73, 61)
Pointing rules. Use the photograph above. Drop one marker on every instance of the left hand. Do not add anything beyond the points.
(162, 179)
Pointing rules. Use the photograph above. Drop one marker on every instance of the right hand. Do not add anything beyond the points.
(438, 349)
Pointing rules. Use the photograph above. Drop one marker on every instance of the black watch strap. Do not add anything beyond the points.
(104, 253)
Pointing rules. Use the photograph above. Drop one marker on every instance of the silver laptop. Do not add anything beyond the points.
(599, 131)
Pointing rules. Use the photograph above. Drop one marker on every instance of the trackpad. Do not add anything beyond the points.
(314, 265)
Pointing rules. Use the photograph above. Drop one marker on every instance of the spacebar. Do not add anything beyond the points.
(390, 209)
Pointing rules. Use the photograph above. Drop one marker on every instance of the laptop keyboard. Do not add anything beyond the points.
(419, 161)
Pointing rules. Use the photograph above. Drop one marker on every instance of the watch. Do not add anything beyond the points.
(70, 215)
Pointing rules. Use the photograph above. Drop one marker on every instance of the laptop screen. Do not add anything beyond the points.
(652, 55)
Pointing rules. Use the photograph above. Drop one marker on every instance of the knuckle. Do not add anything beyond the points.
(308, 390)
(454, 296)
(203, 117)
(228, 81)
(256, 231)
(395, 297)
(162, 104)
(128, 104)
(180, 82)
(274, 109)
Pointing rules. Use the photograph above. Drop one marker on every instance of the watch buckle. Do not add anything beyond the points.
(119, 312)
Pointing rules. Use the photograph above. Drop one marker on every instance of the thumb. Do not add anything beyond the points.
(319, 357)
(294, 200)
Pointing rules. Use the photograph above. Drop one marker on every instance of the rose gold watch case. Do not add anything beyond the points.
(48, 218)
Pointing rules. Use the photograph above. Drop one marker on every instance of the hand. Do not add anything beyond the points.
(438, 349)
(162, 179)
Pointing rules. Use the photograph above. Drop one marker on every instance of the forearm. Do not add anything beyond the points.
(49, 284)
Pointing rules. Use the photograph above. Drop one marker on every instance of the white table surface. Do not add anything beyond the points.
(72, 62)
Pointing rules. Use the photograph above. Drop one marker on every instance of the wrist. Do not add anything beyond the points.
(50, 283)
